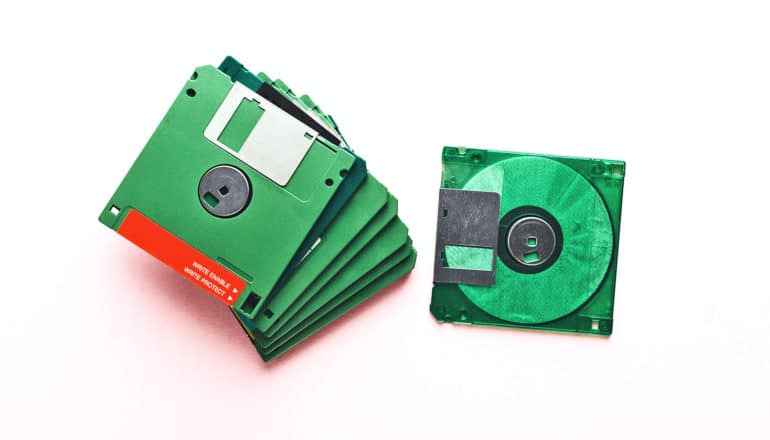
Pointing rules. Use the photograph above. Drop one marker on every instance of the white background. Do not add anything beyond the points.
(98, 340)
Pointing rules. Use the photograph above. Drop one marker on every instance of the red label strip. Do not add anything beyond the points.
(182, 257)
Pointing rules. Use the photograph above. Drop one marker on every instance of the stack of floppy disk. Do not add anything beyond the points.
(252, 193)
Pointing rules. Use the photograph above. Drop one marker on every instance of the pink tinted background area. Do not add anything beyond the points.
(100, 341)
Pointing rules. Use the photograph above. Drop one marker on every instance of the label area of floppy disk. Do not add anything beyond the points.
(183, 258)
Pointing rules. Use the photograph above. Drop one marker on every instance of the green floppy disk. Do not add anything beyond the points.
(211, 197)
(251, 192)
(550, 227)
(361, 240)
(357, 298)
(304, 109)
(387, 242)
(335, 294)
(370, 199)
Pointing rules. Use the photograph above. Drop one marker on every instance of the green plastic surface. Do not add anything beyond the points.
(381, 251)
(579, 269)
(309, 251)
(576, 293)
(325, 271)
(257, 244)
(353, 176)
(365, 204)
(331, 298)
(356, 246)
(354, 300)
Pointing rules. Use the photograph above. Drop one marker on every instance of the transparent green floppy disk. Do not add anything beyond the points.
(527, 240)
